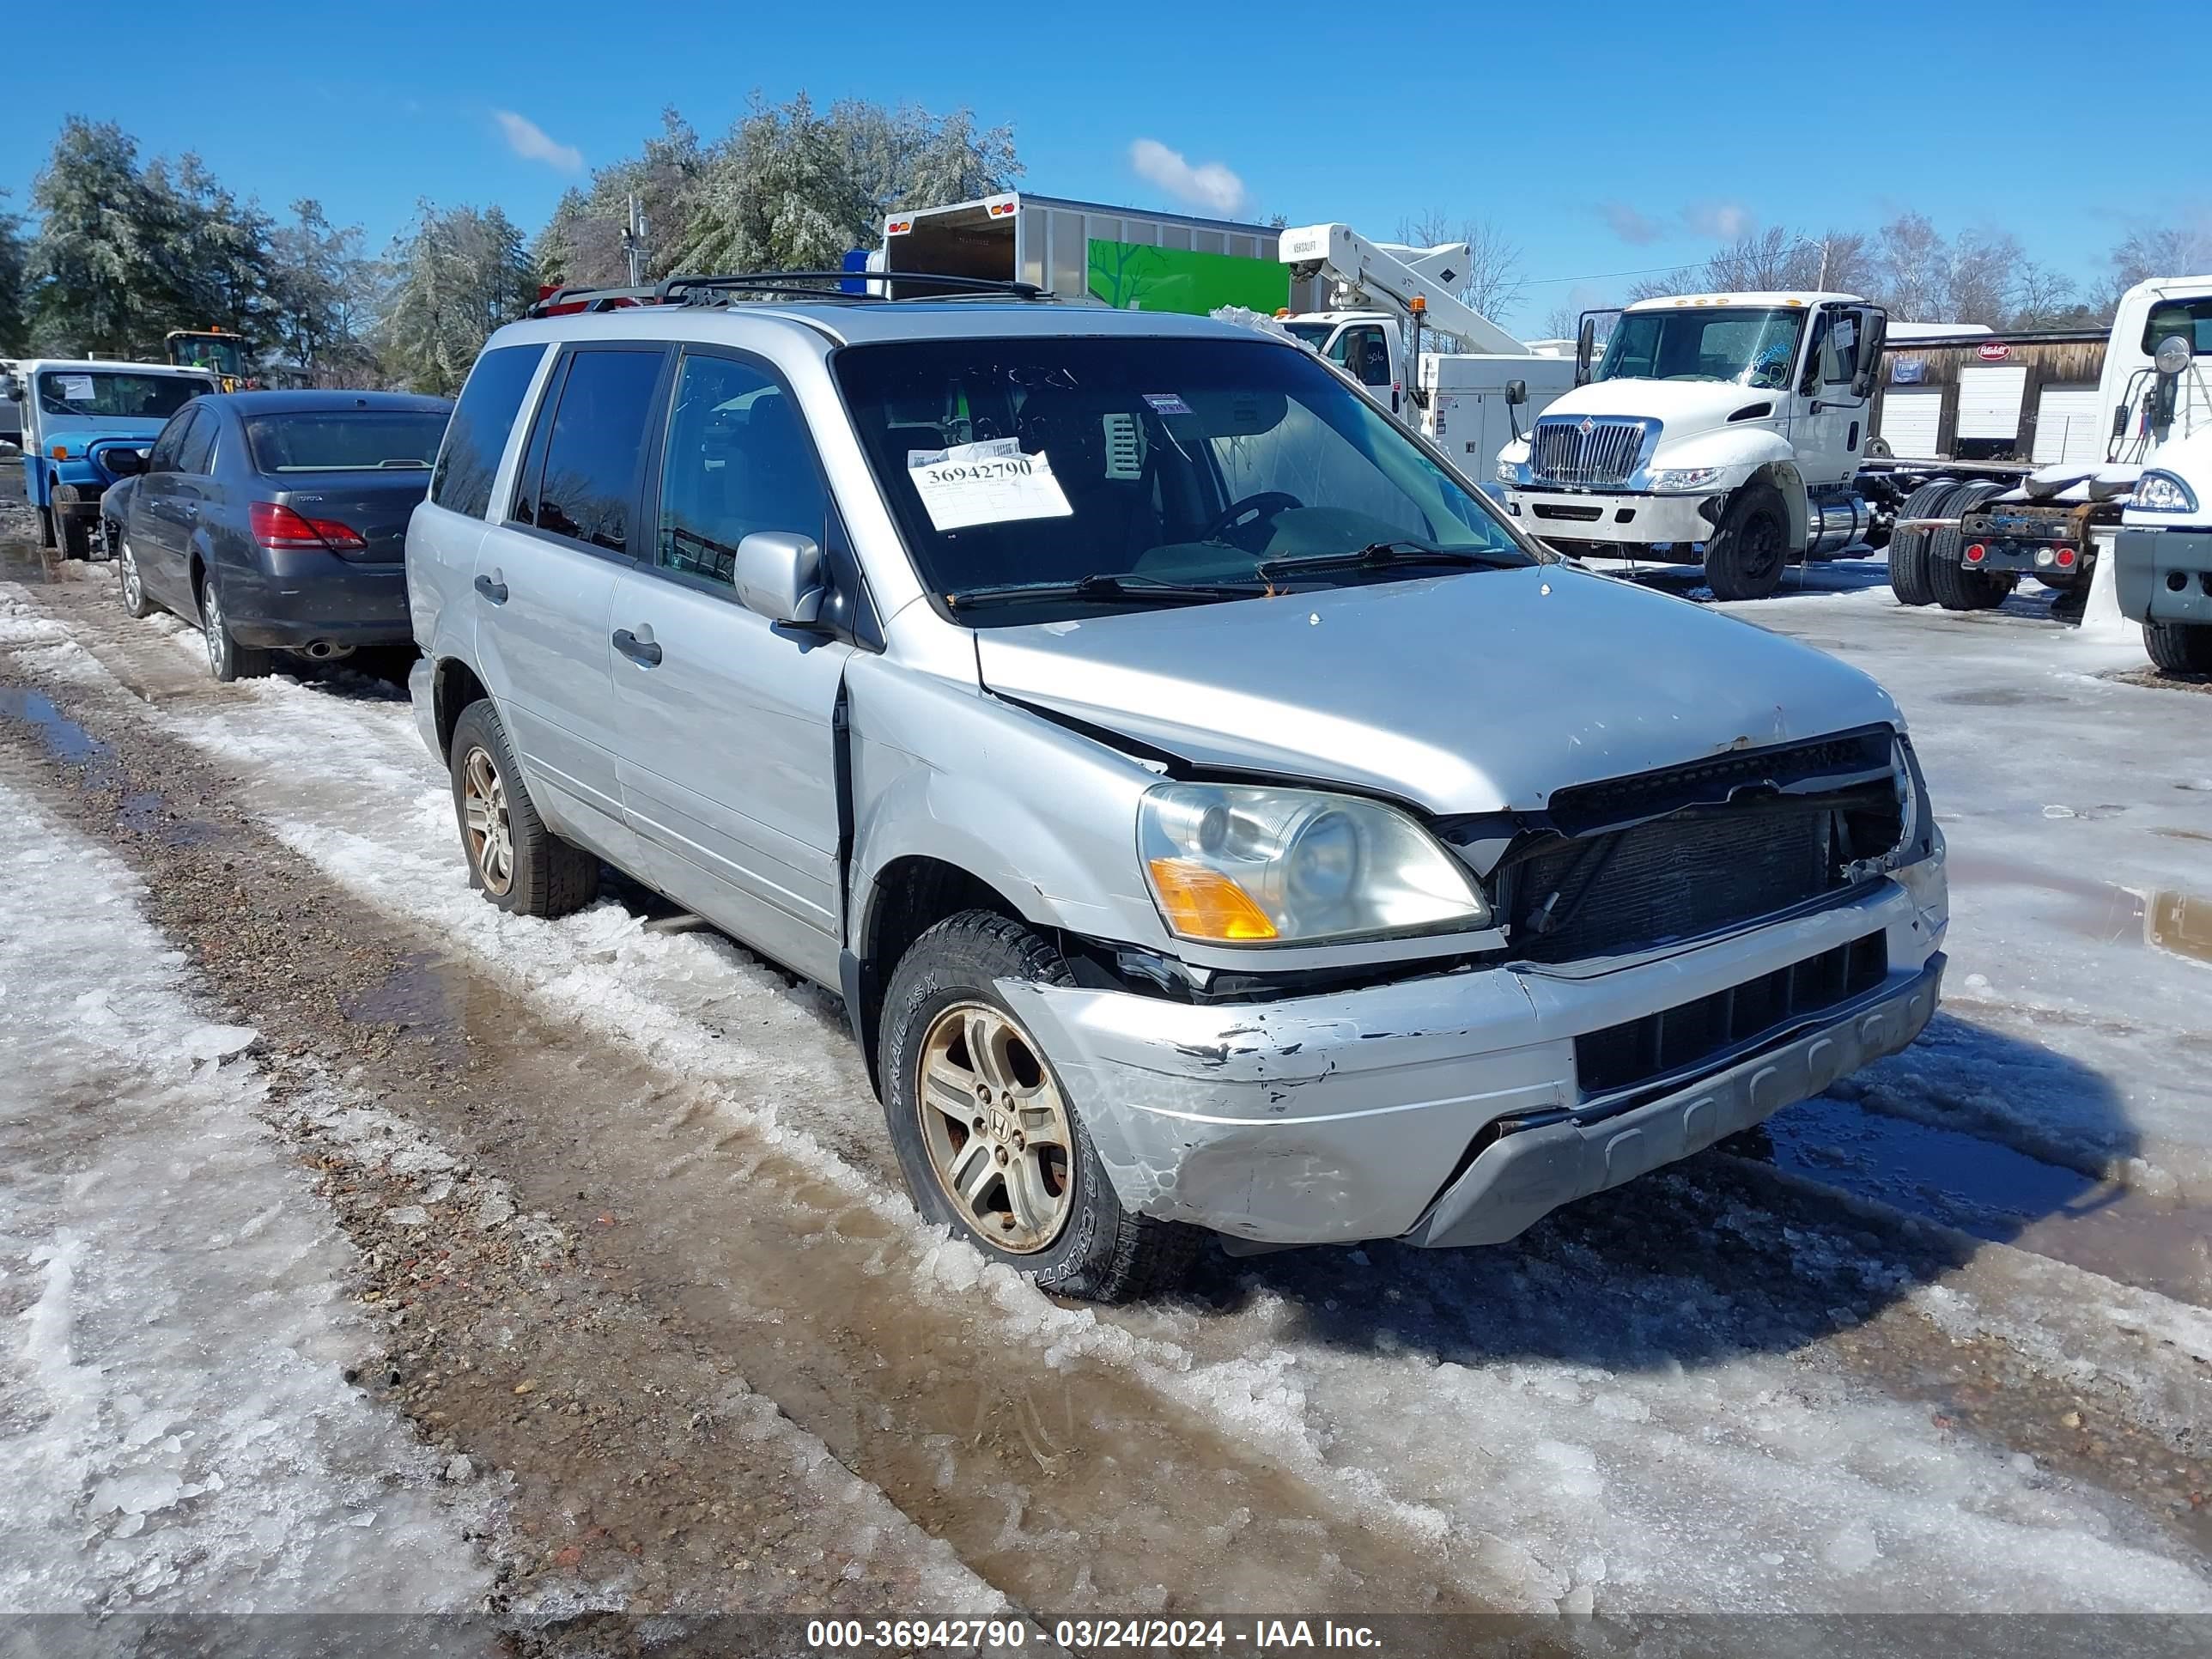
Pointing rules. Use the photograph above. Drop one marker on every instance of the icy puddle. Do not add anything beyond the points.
(1991, 1191)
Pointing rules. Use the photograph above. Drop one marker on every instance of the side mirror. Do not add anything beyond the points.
(15, 392)
(778, 575)
(2173, 356)
(1874, 334)
(124, 462)
(1585, 348)
(1516, 391)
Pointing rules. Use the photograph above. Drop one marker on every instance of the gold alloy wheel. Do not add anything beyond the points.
(483, 817)
(997, 1130)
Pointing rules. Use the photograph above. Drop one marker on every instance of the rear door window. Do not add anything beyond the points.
(477, 437)
(586, 456)
(196, 454)
(163, 457)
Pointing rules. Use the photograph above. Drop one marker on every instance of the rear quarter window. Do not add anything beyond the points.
(476, 436)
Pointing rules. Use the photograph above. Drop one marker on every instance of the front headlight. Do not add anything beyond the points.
(1231, 865)
(1686, 477)
(1508, 473)
(2161, 492)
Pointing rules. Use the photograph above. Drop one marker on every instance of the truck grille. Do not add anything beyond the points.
(1701, 868)
(1653, 1045)
(1585, 451)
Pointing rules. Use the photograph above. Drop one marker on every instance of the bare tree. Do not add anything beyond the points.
(2173, 251)
(1494, 281)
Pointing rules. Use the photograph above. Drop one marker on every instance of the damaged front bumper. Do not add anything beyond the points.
(1449, 1110)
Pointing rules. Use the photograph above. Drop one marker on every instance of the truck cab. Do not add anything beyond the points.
(1365, 344)
(1725, 427)
(87, 423)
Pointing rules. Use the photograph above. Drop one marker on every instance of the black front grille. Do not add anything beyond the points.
(1653, 1045)
(1697, 873)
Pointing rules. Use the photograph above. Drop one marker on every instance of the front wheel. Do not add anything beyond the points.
(76, 534)
(2180, 647)
(514, 860)
(128, 583)
(988, 1138)
(1744, 559)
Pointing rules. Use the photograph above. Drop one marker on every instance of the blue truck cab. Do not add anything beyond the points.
(86, 424)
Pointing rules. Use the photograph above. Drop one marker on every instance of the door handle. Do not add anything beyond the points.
(190, 508)
(646, 653)
(495, 592)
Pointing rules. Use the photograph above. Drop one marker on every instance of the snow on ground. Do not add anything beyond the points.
(175, 1432)
(1676, 1462)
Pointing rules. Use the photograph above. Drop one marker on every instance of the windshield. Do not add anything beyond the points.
(345, 440)
(1748, 347)
(1314, 334)
(118, 397)
(221, 353)
(2190, 319)
(1044, 462)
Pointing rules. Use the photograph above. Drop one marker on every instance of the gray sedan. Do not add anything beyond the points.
(277, 521)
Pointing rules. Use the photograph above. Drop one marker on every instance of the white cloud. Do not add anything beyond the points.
(529, 141)
(1724, 221)
(1638, 229)
(1210, 187)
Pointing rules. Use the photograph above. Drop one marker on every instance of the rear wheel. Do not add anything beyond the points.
(1908, 549)
(128, 583)
(75, 535)
(1744, 559)
(227, 659)
(988, 1140)
(1956, 587)
(514, 860)
(2180, 647)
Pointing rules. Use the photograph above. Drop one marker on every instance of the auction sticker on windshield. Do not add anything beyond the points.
(76, 388)
(988, 483)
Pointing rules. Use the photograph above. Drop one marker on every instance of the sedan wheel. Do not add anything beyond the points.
(485, 823)
(227, 659)
(995, 1127)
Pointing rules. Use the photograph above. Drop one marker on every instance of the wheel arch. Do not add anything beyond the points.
(1790, 483)
(453, 686)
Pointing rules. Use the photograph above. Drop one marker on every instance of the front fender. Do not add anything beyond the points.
(1045, 816)
(1740, 448)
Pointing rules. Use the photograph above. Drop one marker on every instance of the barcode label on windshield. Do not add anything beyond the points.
(988, 482)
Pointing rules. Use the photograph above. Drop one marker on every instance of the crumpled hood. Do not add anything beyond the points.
(1680, 406)
(1472, 693)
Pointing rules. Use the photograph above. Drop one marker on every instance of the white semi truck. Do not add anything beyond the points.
(1728, 427)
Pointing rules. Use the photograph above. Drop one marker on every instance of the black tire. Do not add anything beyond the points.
(45, 527)
(75, 536)
(1954, 587)
(227, 660)
(130, 584)
(1100, 1252)
(541, 875)
(1908, 549)
(2180, 647)
(1745, 558)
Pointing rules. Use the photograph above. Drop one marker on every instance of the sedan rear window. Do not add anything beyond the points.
(346, 440)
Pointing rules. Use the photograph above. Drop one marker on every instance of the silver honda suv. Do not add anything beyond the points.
(1214, 816)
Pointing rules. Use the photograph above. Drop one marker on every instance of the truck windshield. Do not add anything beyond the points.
(1748, 346)
(97, 393)
(219, 352)
(1149, 471)
(1314, 334)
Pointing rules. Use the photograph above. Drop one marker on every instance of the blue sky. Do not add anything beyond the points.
(1602, 137)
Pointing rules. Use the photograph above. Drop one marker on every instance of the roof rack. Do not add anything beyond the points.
(810, 284)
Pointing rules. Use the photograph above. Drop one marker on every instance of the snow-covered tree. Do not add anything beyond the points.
(459, 273)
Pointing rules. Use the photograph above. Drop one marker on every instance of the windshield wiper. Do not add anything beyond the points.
(1377, 556)
(1124, 589)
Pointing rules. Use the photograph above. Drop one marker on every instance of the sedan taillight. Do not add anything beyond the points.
(278, 527)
